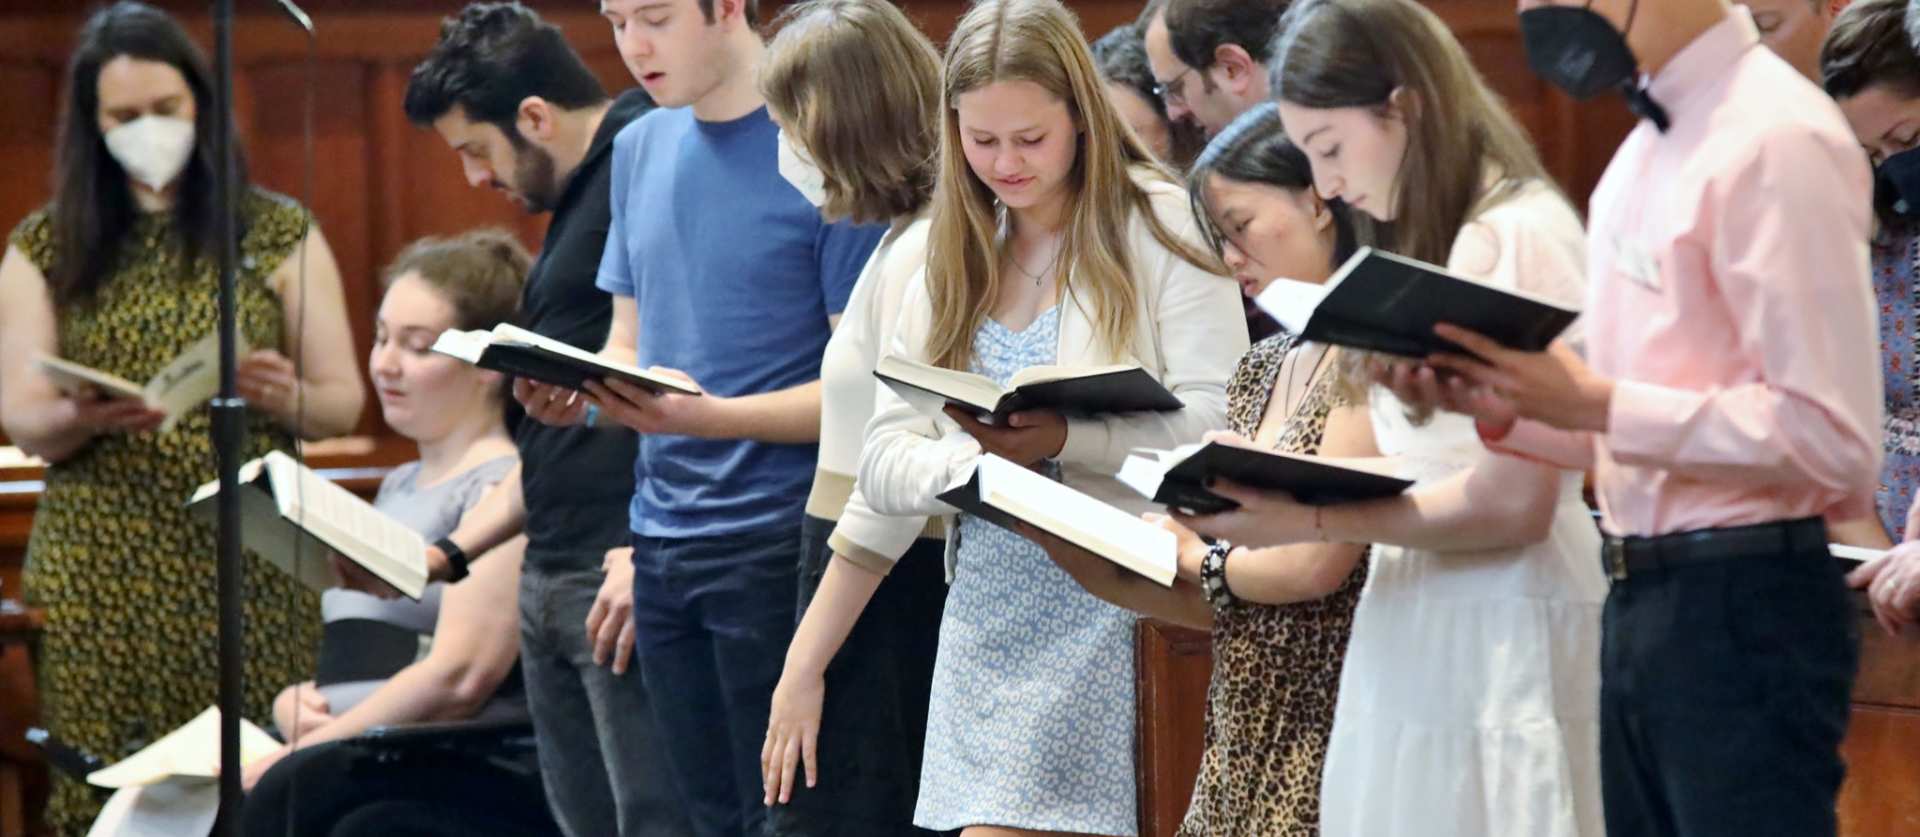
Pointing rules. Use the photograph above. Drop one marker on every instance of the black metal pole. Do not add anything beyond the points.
(229, 426)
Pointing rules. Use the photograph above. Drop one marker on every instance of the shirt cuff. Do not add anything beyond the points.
(1642, 418)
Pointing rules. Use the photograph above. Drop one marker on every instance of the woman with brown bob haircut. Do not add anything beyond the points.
(855, 89)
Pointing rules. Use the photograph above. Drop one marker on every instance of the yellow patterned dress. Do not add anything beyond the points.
(125, 575)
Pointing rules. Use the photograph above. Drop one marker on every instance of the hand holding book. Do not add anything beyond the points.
(654, 412)
(1554, 386)
(550, 405)
(98, 413)
(1028, 437)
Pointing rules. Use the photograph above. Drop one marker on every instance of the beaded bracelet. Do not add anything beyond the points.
(1213, 576)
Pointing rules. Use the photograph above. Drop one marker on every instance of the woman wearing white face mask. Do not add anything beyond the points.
(117, 273)
(843, 746)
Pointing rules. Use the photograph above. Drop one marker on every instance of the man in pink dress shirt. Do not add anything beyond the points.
(1728, 400)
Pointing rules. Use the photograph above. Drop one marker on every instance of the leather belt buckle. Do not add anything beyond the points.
(1614, 555)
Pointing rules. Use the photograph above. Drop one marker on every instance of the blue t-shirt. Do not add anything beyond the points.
(734, 275)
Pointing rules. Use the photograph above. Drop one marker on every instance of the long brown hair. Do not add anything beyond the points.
(1039, 41)
(93, 208)
(859, 88)
(1358, 53)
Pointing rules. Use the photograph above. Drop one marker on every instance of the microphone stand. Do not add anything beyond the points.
(229, 418)
(229, 414)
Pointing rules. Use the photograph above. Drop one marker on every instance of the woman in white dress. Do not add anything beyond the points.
(1469, 701)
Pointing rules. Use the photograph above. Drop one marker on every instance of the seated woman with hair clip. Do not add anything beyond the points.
(323, 781)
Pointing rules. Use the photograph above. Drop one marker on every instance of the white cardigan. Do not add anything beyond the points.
(1192, 331)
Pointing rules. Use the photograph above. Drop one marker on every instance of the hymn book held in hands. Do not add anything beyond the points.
(189, 380)
(293, 517)
(523, 354)
(1177, 478)
(1088, 390)
(1381, 302)
(1007, 494)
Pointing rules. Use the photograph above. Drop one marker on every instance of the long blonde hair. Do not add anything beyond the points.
(1039, 41)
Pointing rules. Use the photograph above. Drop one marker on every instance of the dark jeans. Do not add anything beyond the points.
(712, 619)
(873, 724)
(341, 789)
(1723, 698)
(599, 748)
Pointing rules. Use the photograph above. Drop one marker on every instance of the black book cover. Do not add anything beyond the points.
(1310, 481)
(1386, 303)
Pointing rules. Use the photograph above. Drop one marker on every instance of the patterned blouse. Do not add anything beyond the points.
(1276, 668)
(1896, 256)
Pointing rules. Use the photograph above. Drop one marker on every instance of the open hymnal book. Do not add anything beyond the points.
(190, 752)
(524, 354)
(1006, 494)
(189, 380)
(292, 517)
(1177, 478)
(1381, 302)
(168, 789)
(1855, 556)
(1087, 390)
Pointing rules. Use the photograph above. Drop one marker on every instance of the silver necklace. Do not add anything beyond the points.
(1044, 272)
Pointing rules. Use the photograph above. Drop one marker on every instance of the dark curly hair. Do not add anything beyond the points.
(491, 56)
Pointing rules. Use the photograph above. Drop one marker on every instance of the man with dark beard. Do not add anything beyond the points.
(528, 118)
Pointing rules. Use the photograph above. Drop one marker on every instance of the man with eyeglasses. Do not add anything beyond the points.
(1209, 57)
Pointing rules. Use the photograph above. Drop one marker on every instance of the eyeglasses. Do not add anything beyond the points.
(1173, 91)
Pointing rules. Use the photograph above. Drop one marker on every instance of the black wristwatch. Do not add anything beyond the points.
(456, 558)
(1213, 576)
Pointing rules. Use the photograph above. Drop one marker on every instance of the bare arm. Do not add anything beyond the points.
(787, 416)
(1306, 571)
(37, 416)
(500, 514)
(318, 335)
(475, 643)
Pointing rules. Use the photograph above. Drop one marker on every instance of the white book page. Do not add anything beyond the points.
(463, 345)
(1117, 535)
(973, 389)
(1143, 474)
(190, 380)
(1291, 302)
(249, 471)
(192, 751)
(164, 809)
(353, 526)
(71, 377)
(507, 332)
(1044, 374)
(1861, 554)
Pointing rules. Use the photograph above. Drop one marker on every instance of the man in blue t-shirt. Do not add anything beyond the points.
(723, 273)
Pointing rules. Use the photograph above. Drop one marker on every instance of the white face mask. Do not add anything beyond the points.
(800, 171)
(153, 149)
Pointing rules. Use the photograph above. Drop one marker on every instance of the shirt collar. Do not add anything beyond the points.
(1704, 61)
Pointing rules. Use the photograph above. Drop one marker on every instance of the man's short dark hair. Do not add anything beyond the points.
(1197, 28)
(489, 58)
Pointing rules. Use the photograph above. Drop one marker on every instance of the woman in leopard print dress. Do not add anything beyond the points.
(117, 273)
(1280, 632)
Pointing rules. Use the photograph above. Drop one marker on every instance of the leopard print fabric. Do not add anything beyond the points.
(1276, 669)
(125, 574)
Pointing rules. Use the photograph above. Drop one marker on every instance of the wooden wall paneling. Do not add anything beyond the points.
(1881, 797)
(1172, 668)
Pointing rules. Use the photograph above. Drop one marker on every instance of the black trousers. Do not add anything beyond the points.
(340, 789)
(873, 724)
(1724, 697)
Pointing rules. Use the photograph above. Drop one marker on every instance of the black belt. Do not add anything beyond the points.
(1623, 557)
